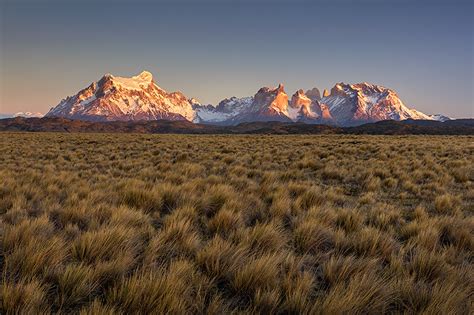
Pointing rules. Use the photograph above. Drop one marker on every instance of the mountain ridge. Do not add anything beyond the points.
(139, 98)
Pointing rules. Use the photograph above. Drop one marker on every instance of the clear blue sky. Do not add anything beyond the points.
(211, 50)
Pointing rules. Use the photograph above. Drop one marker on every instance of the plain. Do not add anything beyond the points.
(216, 224)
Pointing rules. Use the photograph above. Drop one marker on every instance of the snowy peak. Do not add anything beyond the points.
(351, 104)
(122, 98)
(28, 114)
(138, 82)
(440, 117)
(225, 112)
(144, 76)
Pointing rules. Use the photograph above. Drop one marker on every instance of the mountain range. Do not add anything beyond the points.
(22, 114)
(114, 98)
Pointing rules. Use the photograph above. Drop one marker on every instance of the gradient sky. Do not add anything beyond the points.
(211, 50)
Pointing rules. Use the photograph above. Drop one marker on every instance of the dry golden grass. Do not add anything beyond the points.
(122, 223)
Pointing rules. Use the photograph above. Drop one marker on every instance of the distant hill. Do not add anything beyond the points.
(22, 114)
(388, 127)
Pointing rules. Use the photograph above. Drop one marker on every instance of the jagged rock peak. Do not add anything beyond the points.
(299, 99)
(274, 90)
(314, 94)
(300, 94)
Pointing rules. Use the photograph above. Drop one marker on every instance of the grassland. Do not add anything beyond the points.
(123, 223)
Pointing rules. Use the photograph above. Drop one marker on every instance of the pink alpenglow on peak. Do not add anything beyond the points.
(121, 98)
(140, 98)
(352, 104)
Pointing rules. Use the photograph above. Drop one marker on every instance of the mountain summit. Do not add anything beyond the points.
(140, 98)
(353, 104)
(120, 98)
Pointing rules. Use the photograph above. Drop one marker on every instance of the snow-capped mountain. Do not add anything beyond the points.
(268, 104)
(139, 98)
(225, 111)
(440, 117)
(119, 98)
(28, 114)
(345, 104)
(22, 114)
(351, 104)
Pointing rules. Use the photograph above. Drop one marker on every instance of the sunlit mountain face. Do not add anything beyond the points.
(140, 98)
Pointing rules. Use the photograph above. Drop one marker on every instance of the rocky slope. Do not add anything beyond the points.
(139, 98)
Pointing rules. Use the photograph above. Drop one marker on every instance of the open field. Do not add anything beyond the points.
(216, 224)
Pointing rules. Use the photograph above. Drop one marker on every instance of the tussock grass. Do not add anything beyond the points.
(138, 224)
(312, 238)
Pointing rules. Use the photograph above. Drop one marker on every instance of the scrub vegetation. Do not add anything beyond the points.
(216, 224)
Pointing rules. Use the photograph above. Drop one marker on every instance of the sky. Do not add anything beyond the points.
(211, 50)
